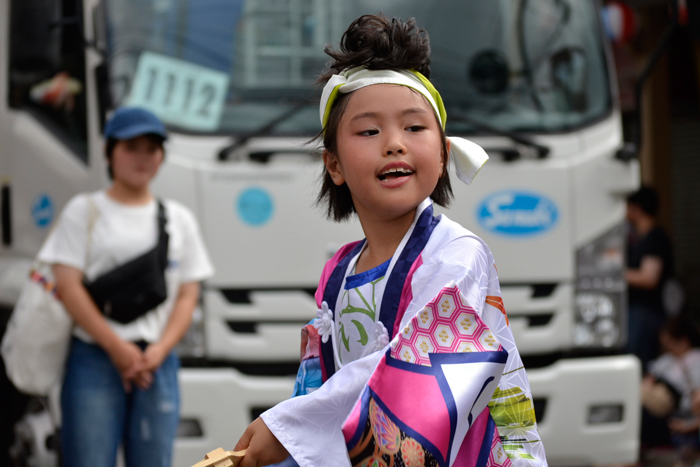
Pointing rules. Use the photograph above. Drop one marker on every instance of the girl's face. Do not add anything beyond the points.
(674, 346)
(389, 151)
(136, 161)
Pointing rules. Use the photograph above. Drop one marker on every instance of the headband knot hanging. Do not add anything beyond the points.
(468, 157)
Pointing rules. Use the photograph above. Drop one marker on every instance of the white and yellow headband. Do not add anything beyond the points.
(468, 157)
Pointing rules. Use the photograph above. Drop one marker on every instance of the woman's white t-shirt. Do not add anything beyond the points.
(121, 233)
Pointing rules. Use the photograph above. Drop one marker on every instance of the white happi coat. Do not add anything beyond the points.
(311, 426)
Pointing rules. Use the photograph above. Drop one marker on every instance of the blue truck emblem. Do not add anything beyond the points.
(255, 206)
(42, 211)
(517, 213)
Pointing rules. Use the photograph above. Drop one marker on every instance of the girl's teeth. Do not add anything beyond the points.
(399, 169)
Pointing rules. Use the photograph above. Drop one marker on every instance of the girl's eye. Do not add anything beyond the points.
(368, 132)
(415, 128)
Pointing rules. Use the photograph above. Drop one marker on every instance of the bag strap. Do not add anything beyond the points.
(162, 218)
(93, 214)
(163, 237)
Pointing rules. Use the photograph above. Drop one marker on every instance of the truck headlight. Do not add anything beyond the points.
(600, 304)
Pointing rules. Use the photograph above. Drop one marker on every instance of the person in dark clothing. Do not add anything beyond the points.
(649, 265)
(13, 402)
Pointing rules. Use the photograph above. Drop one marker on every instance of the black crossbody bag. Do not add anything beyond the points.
(136, 287)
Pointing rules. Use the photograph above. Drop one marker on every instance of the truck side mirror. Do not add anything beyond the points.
(627, 152)
(488, 72)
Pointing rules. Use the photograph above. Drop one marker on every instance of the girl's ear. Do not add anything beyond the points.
(443, 164)
(332, 164)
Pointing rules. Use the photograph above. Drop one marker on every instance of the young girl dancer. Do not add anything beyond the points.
(417, 358)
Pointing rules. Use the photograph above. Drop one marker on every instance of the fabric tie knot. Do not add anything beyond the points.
(382, 336)
(324, 323)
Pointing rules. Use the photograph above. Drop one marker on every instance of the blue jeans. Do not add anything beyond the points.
(643, 333)
(98, 415)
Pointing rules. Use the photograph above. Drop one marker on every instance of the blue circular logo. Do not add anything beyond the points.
(42, 211)
(255, 206)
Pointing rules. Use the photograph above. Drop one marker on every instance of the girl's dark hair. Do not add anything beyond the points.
(112, 143)
(377, 43)
(109, 149)
(681, 327)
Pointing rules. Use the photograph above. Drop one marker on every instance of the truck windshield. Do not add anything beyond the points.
(234, 66)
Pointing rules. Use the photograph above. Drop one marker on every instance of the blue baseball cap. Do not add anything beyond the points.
(130, 122)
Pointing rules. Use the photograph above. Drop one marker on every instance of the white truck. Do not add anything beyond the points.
(529, 80)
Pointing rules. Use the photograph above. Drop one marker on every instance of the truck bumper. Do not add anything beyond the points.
(591, 410)
(217, 404)
(278, 317)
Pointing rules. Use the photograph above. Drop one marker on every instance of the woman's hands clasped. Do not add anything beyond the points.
(136, 366)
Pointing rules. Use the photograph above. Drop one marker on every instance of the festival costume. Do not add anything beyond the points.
(452, 366)
(418, 363)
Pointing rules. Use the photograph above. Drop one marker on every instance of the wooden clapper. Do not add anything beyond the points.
(220, 458)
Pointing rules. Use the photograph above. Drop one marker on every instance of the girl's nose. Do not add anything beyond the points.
(394, 146)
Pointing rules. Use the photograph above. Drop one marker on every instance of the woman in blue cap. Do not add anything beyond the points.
(127, 269)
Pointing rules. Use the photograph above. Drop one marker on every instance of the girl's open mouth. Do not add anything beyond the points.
(394, 173)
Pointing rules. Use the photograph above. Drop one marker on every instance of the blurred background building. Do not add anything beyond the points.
(670, 112)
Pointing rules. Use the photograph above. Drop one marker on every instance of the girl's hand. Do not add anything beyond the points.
(683, 426)
(262, 448)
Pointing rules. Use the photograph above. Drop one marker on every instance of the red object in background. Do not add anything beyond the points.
(683, 12)
(620, 21)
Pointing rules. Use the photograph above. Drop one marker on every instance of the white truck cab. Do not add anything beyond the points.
(529, 80)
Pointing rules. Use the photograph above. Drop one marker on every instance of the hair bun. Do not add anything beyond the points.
(378, 43)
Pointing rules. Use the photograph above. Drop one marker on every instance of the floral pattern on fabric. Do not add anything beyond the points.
(412, 453)
(385, 444)
(385, 433)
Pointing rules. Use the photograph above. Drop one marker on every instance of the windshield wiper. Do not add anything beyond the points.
(264, 130)
(540, 150)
